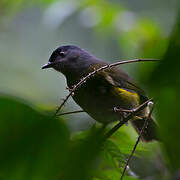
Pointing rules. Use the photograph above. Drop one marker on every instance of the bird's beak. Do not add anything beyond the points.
(48, 65)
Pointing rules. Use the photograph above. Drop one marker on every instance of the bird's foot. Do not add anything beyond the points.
(121, 111)
(124, 112)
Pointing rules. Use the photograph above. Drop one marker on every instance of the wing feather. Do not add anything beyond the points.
(118, 78)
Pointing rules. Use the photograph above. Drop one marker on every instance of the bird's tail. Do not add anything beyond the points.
(150, 132)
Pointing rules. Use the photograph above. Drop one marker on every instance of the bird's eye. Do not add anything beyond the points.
(62, 54)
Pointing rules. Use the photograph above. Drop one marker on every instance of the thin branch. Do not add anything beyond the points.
(71, 112)
(137, 141)
(83, 80)
(127, 118)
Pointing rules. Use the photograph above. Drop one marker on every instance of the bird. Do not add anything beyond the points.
(107, 89)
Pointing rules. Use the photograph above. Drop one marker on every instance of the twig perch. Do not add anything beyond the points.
(126, 119)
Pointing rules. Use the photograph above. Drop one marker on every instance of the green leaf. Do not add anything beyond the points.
(165, 83)
(130, 178)
(32, 145)
(113, 175)
(83, 156)
(111, 156)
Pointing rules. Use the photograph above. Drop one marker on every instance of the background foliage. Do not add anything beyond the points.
(35, 146)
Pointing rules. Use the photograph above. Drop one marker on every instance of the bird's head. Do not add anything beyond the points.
(70, 60)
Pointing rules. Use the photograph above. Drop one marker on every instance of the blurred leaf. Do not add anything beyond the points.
(129, 178)
(165, 81)
(10, 7)
(83, 156)
(109, 175)
(122, 139)
(143, 38)
(111, 157)
(32, 145)
(113, 175)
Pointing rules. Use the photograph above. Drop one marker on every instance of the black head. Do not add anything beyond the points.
(70, 60)
(61, 54)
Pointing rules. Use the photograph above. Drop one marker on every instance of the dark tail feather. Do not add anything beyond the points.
(150, 132)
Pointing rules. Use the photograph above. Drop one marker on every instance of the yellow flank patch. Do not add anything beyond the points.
(126, 95)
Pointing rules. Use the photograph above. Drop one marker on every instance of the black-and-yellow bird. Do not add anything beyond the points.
(100, 94)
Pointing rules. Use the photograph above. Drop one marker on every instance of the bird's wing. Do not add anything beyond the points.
(119, 79)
